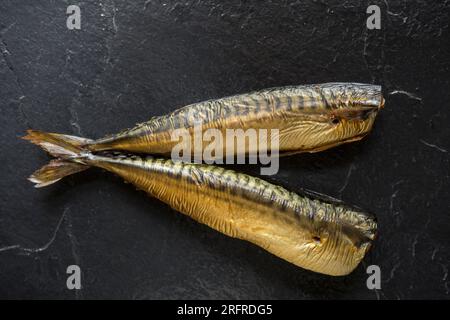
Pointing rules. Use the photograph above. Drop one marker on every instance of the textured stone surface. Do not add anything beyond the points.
(135, 59)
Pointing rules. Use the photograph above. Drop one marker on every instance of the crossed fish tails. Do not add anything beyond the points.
(311, 232)
(308, 118)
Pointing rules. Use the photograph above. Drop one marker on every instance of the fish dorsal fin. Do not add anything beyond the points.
(329, 199)
(321, 196)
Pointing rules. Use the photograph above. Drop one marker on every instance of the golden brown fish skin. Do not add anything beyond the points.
(310, 118)
(310, 231)
(317, 235)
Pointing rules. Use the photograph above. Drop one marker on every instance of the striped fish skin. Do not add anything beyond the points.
(309, 118)
(314, 234)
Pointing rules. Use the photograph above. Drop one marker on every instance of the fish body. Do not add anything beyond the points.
(311, 232)
(308, 118)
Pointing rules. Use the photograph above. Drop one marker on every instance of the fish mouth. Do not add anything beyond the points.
(381, 105)
(379, 102)
(368, 96)
(371, 105)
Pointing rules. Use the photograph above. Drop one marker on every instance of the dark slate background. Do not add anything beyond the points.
(135, 59)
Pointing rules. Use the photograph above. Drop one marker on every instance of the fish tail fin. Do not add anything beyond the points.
(67, 149)
(54, 171)
(58, 145)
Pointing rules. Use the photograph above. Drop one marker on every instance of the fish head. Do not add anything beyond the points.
(337, 245)
(342, 113)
